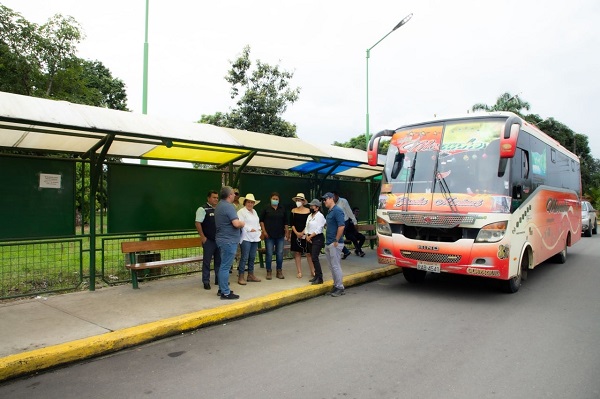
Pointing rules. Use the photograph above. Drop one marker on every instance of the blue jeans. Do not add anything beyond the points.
(228, 251)
(247, 257)
(210, 250)
(276, 243)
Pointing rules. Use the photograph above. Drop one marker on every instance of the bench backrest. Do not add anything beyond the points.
(365, 227)
(156, 245)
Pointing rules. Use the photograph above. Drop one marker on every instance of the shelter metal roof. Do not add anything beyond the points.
(30, 123)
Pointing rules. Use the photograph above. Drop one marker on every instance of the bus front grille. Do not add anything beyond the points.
(430, 257)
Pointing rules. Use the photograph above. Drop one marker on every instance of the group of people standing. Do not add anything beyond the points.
(228, 220)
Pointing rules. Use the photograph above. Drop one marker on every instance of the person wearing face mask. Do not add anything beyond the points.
(298, 237)
(275, 229)
(313, 230)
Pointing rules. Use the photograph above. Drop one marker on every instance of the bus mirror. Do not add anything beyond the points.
(508, 142)
(373, 146)
(372, 151)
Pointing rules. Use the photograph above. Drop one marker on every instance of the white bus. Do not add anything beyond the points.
(485, 195)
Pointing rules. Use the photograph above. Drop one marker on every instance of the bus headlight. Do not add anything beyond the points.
(383, 227)
(493, 232)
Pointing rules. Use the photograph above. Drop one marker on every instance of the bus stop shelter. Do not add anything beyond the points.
(94, 135)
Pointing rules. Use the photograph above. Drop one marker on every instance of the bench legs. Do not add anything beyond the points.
(134, 279)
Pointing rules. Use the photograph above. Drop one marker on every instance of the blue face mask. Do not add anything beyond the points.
(274, 202)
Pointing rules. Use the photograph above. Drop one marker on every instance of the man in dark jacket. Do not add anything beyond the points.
(205, 224)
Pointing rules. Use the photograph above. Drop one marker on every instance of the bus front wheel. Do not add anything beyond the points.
(514, 283)
(414, 275)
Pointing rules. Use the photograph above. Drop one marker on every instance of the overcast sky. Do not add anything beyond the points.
(449, 56)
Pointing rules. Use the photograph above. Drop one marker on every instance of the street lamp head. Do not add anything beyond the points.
(405, 20)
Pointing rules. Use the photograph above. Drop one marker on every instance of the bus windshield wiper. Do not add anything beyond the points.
(409, 184)
(446, 191)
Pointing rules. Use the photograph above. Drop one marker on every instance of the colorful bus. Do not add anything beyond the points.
(486, 195)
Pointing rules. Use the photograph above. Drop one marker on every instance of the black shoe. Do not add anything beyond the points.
(312, 280)
(230, 296)
(207, 286)
(337, 292)
(361, 254)
(345, 255)
(317, 281)
(219, 293)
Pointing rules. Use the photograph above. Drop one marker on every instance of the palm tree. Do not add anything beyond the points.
(506, 102)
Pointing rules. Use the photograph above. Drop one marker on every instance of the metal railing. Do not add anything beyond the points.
(29, 268)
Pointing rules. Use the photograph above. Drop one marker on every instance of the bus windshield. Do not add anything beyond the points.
(455, 159)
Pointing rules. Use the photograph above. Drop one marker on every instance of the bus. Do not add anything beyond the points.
(486, 195)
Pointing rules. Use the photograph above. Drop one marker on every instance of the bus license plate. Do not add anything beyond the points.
(429, 267)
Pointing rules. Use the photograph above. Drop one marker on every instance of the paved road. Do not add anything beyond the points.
(449, 338)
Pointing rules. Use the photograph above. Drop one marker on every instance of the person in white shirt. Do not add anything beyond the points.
(314, 238)
(249, 239)
(349, 218)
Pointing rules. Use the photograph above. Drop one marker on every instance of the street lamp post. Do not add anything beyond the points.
(404, 21)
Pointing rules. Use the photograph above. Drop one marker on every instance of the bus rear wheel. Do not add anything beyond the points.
(561, 257)
(414, 275)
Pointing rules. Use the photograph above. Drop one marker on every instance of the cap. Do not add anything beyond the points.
(315, 202)
(327, 195)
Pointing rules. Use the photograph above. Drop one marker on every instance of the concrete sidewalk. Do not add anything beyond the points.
(46, 332)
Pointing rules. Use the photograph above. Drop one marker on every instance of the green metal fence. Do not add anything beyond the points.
(29, 268)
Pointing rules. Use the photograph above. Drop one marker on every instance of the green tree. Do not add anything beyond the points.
(58, 42)
(262, 96)
(19, 64)
(506, 102)
(40, 61)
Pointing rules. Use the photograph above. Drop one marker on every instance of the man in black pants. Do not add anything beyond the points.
(205, 224)
(352, 234)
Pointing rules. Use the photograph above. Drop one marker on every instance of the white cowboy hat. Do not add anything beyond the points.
(249, 197)
(299, 196)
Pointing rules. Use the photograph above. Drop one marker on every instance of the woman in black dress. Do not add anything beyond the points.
(298, 240)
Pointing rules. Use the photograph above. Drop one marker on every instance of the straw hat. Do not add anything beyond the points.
(300, 197)
(249, 197)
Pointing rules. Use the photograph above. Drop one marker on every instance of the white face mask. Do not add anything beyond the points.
(298, 204)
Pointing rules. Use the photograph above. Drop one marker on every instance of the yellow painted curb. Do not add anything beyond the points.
(40, 359)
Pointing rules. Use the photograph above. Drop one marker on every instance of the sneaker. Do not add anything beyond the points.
(207, 286)
(361, 254)
(317, 281)
(219, 292)
(230, 296)
(344, 256)
(337, 292)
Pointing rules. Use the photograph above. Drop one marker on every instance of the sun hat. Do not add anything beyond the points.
(315, 202)
(249, 197)
(299, 196)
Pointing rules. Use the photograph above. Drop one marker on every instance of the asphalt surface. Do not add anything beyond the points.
(50, 331)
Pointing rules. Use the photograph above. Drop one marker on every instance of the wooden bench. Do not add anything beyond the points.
(368, 230)
(133, 248)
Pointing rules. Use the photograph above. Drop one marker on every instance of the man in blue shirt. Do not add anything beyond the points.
(228, 236)
(334, 242)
